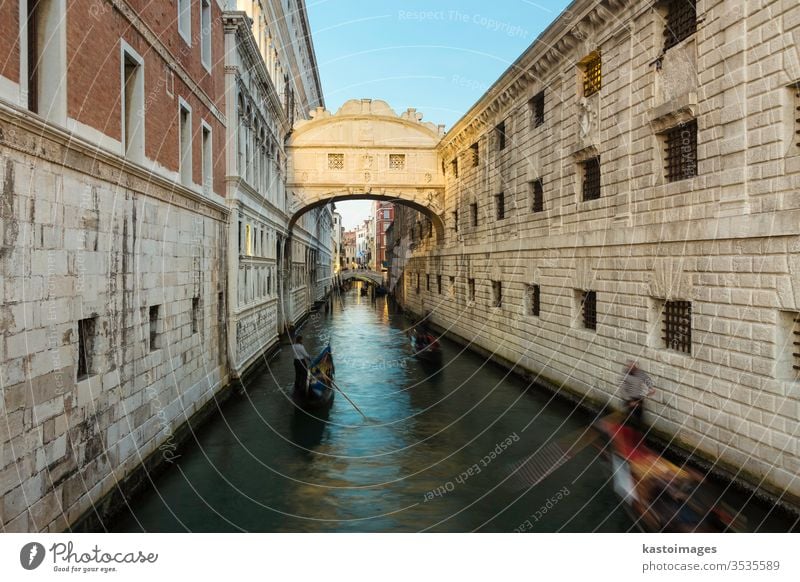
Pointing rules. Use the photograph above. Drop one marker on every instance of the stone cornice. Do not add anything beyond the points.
(155, 43)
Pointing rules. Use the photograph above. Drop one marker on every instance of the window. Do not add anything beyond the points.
(678, 326)
(455, 220)
(205, 33)
(536, 195)
(132, 105)
(240, 237)
(397, 161)
(387, 214)
(46, 53)
(475, 154)
(221, 341)
(500, 131)
(471, 289)
(681, 151)
(497, 294)
(248, 241)
(681, 21)
(430, 227)
(589, 309)
(473, 212)
(185, 20)
(154, 334)
(439, 284)
(208, 180)
(454, 167)
(533, 296)
(195, 314)
(427, 282)
(591, 179)
(185, 138)
(788, 345)
(592, 75)
(537, 109)
(417, 282)
(86, 331)
(452, 286)
(796, 91)
(336, 161)
(500, 205)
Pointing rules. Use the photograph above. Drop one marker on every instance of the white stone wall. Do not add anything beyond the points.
(726, 240)
(81, 239)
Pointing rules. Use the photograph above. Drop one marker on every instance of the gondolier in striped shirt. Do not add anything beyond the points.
(636, 385)
(301, 359)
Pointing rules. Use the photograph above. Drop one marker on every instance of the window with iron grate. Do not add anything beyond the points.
(589, 308)
(536, 195)
(533, 294)
(681, 152)
(591, 179)
(536, 105)
(336, 161)
(497, 294)
(500, 205)
(397, 161)
(592, 67)
(473, 213)
(678, 326)
(455, 220)
(475, 153)
(681, 21)
(500, 132)
(86, 334)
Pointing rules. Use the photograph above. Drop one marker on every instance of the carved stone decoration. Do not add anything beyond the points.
(668, 281)
(366, 161)
(434, 202)
(428, 177)
(588, 117)
(366, 176)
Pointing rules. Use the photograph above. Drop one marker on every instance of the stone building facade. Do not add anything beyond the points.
(628, 189)
(116, 233)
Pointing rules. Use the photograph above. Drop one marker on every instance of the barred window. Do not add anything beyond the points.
(439, 284)
(500, 205)
(473, 212)
(454, 167)
(681, 151)
(86, 334)
(497, 294)
(537, 109)
(471, 289)
(681, 21)
(336, 161)
(475, 153)
(537, 195)
(500, 130)
(455, 220)
(678, 325)
(397, 161)
(589, 308)
(591, 179)
(592, 74)
(533, 296)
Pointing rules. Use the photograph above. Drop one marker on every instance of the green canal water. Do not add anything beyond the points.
(435, 453)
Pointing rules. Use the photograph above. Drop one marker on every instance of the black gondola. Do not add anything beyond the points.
(319, 392)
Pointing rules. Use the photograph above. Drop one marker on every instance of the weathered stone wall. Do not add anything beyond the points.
(725, 240)
(82, 238)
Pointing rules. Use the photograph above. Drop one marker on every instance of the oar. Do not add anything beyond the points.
(335, 385)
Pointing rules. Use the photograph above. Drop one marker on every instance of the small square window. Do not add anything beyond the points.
(86, 334)
(591, 179)
(536, 195)
(589, 309)
(681, 151)
(678, 326)
(473, 213)
(537, 109)
(533, 298)
(475, 153)
(336, 161)
(397, 161)
(592, 74)
(500, 205)
(500, 132)
(497, 294)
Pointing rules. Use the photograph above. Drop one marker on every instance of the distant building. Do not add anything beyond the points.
(383, 213)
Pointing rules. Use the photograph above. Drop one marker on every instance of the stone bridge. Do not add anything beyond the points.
(370, 276)
(366, 151)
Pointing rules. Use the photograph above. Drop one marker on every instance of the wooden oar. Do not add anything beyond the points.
(335, 385)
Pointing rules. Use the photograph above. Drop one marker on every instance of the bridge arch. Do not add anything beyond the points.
(366, 151)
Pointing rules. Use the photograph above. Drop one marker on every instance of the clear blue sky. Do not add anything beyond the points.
(437, 56)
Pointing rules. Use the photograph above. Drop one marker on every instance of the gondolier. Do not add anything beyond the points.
(636, 385)
(301, 358)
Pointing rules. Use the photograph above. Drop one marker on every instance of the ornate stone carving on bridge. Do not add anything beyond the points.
(378, 154)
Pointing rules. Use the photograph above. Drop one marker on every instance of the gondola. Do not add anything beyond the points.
(319, 394)
(426, 347)
(658, 495)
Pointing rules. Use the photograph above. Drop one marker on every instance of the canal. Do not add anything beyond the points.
(434, 454)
